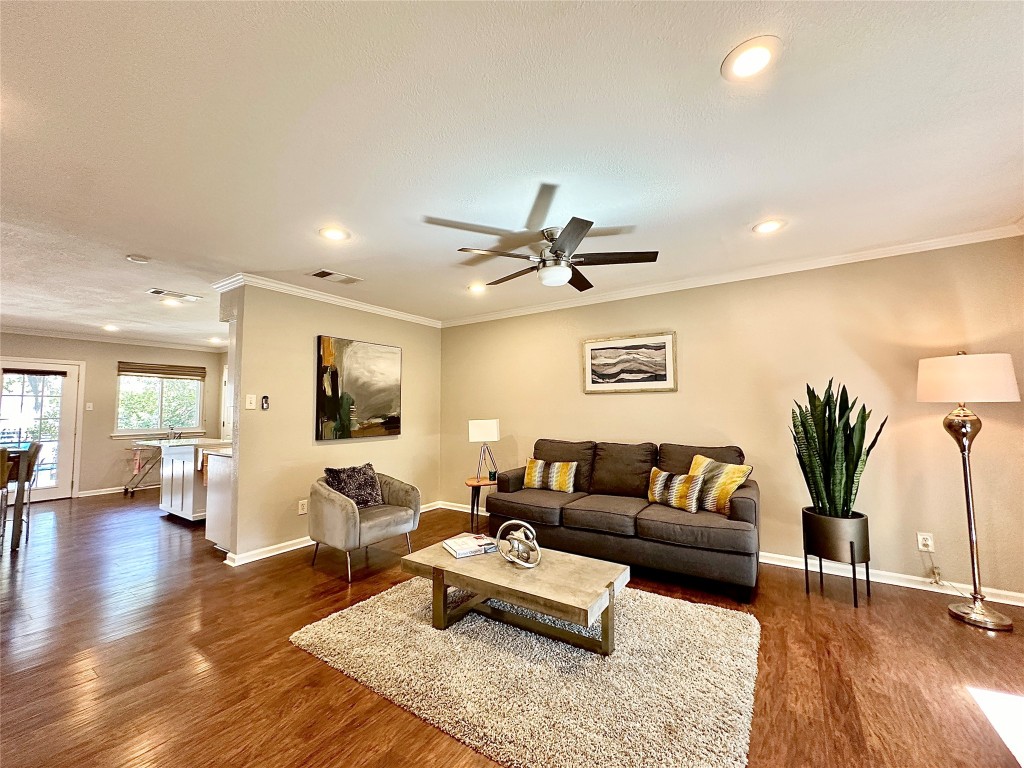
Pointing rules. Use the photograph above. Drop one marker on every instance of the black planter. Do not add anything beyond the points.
(842, 539)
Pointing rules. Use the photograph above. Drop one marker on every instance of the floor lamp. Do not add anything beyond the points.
(961, 379)
(484, 431)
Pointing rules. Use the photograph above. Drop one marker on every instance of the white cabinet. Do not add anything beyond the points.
(218, 499)
(182, 491)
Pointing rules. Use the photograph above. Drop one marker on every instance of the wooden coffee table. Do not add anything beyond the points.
(575, 589)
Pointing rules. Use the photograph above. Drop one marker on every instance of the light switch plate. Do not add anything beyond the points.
(250, 402)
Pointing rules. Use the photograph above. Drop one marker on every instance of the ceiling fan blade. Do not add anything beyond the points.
(605, 231)
(541, 206)
(571, 237)
(518, 240)
(513, 276)
(478, 228)
(579, 281)
(618, 257)
(480, 252)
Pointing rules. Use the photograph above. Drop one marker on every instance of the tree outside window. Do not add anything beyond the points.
(158, 403)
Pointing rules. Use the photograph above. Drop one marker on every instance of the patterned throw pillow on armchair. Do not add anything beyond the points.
(358, 483)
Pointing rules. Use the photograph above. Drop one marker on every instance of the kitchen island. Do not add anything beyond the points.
(182, 490)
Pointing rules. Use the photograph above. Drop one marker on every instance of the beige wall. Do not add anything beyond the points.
(105, 462)
(745, 352)
(278, 459)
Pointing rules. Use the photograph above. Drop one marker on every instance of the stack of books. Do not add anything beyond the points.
(468, 544)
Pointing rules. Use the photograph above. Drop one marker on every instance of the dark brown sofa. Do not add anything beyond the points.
(608, 515)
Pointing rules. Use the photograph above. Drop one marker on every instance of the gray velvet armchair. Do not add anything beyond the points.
(335, 520)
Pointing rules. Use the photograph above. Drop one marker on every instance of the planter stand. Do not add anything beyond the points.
(839, 539)
(821, 576)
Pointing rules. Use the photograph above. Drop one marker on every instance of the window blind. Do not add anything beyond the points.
(162, 370)
(34, 372)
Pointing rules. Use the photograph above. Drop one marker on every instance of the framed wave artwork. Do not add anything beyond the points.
(643, 363)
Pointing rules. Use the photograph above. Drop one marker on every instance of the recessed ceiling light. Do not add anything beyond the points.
(216, 340)
(334, 233)
(478, 288)
(111, 328)
(170, 302)
(768, 226)
(750, 58)
(137, 258)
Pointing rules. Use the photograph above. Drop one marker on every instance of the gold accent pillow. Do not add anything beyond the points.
(552, 476)
(720, 482)
(678, 491)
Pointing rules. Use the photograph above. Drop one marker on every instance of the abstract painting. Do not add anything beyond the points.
(358, 389)
(630, 364)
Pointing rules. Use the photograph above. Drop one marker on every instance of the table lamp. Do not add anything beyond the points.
(961, 379)
(484, 431)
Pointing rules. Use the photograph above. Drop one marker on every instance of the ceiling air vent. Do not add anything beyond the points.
(173, 294)
(336, 277)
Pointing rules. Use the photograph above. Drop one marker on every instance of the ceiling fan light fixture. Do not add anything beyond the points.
(558, 273)
(750, 58)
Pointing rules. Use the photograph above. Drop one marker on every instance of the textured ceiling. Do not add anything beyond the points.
(218, 137)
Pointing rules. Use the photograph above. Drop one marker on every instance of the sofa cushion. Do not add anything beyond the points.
(676, 491)
(623, 469)
(678, 458)
(705, 530)
(531, 505)
(561, 450)
(358, 483)
(552, 475)
(613, 514)
(720, 482)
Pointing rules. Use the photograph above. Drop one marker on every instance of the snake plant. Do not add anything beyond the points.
(830, 449)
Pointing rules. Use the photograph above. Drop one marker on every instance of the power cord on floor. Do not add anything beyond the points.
(937, 577)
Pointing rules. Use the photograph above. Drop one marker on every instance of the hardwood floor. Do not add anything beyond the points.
(126, 641)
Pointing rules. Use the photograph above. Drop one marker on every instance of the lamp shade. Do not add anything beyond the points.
(483, 431)
(967, 379)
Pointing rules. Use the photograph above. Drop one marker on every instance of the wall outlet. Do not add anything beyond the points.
(303, 506)
(925, 542)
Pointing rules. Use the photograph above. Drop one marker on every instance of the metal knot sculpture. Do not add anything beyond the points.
(517, 543)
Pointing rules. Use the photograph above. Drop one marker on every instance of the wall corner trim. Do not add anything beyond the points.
(895, 579)
(257, 281)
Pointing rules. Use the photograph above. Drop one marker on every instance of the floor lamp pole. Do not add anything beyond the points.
(963, 426)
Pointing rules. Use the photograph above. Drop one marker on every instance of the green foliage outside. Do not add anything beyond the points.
(149, 402)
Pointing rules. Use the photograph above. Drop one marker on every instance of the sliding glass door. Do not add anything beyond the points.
(39, 402)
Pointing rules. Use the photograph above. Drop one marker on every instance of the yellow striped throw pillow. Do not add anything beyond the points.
(679, 491)
(552, 476)
(720, 482)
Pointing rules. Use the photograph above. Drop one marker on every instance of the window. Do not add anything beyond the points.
(159, 398)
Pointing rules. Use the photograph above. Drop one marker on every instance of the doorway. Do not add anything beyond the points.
(39, 401)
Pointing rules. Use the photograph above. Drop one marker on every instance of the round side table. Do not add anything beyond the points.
(475, 485)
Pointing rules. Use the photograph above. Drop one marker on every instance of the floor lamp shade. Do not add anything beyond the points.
(967, 379)
(484, 431)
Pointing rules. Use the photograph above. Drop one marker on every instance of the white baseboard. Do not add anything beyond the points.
(449, 505)
(105, 491)
(897, 579)
(259, 554)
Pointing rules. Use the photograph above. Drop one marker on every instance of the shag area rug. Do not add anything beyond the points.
(678, 691)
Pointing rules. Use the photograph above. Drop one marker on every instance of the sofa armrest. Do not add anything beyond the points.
(399, 494)
(745, 504)
(333, 518)
(512, 480)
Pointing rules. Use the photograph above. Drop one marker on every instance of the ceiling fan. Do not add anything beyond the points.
(556, 264)
(555, 260)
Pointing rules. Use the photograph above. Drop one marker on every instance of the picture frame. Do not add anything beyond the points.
(358, 389)
(644, 362)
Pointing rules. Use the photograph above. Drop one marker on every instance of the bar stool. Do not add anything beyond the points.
(5, 477)
(32, 457)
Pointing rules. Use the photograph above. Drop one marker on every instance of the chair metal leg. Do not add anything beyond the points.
(28, 510)
(348, 565)
(3, 512)
(867, 578)
(315, 550)
(408, 543)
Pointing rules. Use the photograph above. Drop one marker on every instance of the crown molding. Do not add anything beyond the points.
(750, 273)
(256, 281)
(123, 340)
